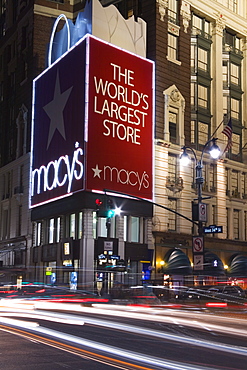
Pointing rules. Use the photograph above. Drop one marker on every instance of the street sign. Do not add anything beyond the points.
(212, 229)
(108, 246)
(198, 262)
(198, 244)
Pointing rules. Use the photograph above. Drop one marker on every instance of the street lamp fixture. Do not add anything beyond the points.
(214, 152)
(200, 208)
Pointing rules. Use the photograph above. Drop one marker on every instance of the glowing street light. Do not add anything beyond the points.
(214, 152)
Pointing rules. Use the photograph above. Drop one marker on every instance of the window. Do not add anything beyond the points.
(72, 226)
(235, 108)
(231, 42)
(212, 177)
(244, 185)
(202, 96)
(235, 190)
(173, 123)
(203, 59)
(58, 229)
(173, 11)
(51, 231)
(5, 224)
(236, 224)
(172, 217)
(38, 233)
(172, 166)
(245, 225)
(203, 132)
(235, 74)
(232, 5)
(236, 148)
(200, 26)
(172, 46)
(227, 222)
(80, 225)
(133, 229)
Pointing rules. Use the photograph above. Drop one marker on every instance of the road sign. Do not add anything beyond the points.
(198, 244)
(212, 229)
(202, 212)
(198, 262)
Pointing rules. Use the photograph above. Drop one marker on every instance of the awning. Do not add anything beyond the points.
(238, 266)
(177, 263)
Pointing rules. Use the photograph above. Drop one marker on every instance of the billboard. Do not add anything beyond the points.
(92, 124)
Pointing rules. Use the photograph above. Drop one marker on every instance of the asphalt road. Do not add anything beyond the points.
(122, 337)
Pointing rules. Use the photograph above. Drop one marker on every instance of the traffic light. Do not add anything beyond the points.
(110, 208)
(101, 208)
(105, 208)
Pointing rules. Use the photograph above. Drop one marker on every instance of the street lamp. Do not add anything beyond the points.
(214, 152)
(198, 241)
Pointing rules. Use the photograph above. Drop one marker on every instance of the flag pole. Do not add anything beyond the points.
(217, 128)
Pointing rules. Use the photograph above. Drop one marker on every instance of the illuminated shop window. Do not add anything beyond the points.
(51, 230)
(39, 230)
(58, 229)
(133, 229)
(72, 225)
(80, 225)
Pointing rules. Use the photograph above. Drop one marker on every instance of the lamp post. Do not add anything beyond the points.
(214, 151)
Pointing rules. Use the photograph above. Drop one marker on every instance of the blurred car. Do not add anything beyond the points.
(43, 292)
(227, 292)
(190, 293)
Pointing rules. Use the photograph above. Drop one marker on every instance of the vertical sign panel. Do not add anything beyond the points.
(120, 121)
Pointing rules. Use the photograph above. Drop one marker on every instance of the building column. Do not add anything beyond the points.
(217, 76)
(221, 199)
(86, 276)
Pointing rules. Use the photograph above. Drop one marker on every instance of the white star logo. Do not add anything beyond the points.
(54, 110)
(96, 171)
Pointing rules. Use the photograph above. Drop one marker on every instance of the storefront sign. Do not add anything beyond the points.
(92, 124)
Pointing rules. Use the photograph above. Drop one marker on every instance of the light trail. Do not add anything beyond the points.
(115, 351)
(80, 320)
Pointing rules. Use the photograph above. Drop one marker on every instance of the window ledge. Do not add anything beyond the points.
(173, 61)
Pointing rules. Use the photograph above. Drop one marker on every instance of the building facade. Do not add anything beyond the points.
(199, 50)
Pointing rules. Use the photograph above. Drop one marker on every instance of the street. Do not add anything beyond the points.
(45, 335)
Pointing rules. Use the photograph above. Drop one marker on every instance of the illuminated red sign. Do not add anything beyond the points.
(93, 124)
(120, 121)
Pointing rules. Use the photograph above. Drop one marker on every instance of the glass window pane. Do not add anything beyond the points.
(172, 46)
(72, 226)
(51, 230)
(236, 144)
(235, 74)
(202, 59)
(202, 96)
(135, 229)
(58, 229)
(172, 204)
(80, 225)
(235, 106)
(202, 133)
